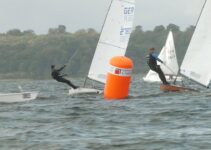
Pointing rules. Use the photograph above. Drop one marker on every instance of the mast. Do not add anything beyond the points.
(200, 14)
(179, 73)
(99, 37)
(195, 63)
(114, 37)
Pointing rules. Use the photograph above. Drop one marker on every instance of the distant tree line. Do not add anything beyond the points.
(23, 54)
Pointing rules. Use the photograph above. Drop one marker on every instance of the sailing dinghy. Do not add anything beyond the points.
(196, 64)
(167, 55)
(113, 41)
(18, 97)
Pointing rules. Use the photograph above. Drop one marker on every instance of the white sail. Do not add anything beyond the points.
(196, 64)
(151, 77)
(114, 37)
(167, 55)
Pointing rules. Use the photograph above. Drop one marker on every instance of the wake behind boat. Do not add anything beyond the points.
(17, 97)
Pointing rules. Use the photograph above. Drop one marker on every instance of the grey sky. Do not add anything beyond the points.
(40, 15)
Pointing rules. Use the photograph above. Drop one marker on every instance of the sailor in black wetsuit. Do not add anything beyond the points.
(152, 59)
(55, 73)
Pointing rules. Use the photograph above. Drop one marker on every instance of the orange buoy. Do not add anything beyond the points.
(118, 78)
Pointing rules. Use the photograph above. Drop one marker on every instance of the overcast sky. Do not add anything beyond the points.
(40, 15)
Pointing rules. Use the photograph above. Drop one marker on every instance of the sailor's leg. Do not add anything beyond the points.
(161, 75)
(68, 82)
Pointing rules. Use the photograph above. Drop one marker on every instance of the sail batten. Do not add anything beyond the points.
(111, 45)
(114, 37)
(196, 64)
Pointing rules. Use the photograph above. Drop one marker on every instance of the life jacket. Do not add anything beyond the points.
(151, 61)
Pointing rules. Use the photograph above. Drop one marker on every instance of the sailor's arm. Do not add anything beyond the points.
(60, 69)
(156, 57)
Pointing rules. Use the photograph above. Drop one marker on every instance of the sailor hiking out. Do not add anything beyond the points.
(56, 74)
(152, 59)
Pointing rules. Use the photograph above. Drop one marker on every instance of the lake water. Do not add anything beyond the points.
(148, 120)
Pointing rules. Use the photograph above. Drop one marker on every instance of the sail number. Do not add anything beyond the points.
(120, 71)
(125, 31)
(129, 10)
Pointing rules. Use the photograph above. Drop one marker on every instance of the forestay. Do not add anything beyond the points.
(196, 64)
(114, 37)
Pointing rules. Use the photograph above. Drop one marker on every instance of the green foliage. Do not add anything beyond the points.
(27, 55)
(14, 32)
(60, 30)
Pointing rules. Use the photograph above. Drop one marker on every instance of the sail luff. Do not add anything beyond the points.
(114, 37)
(196, 64)
(99, 41)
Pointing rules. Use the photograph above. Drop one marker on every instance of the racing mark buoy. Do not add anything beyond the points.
(118, 78)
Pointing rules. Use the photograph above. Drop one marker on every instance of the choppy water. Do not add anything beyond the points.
(148, 120)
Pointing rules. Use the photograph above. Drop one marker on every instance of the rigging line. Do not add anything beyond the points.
(201, 12)
(169, 69)
(195, 81)
(198, 20)
(71, 57)
(172, 72)
(91, 80)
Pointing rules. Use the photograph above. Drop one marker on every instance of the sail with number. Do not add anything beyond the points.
(114, 37)
(196, 64)
(167, 55)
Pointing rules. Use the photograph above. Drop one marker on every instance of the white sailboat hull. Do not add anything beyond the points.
(84, 91)
(17, 97)
(156, 78)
